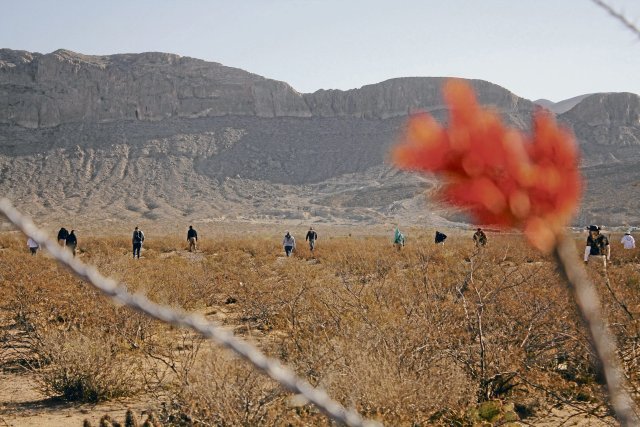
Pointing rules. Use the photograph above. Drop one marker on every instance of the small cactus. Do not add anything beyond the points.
(130, 419)
(105, 421)
(151, 421)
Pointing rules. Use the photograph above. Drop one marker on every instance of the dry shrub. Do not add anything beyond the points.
(80, 368)
(224, 391)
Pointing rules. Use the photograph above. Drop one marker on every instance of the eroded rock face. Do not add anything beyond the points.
(402, 96)
(40, 91)
(65, 87)
(606, 119)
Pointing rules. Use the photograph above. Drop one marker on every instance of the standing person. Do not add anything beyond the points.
(440, 237)
(289, 243)
(62, 236)
(398, 239)
(628, 241)
(311, 237)
(479, 238)
(137, 239)
(72, 242)
(597, 248)
(192, 238)
(33, 246)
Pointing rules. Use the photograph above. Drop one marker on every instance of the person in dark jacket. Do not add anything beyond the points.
(479, 238)
(71, 242)
(62, 236)
(137, 239)
(312, 236)
(597, 249)
(192, 238)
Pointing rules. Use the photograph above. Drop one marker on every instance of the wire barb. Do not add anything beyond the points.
(271, 367)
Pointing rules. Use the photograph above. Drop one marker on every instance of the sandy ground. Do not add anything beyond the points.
(22, 405)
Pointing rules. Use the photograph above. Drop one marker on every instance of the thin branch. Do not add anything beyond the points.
(588, 304)
(619, 16)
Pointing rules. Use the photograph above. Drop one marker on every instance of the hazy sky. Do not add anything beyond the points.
(553, 49)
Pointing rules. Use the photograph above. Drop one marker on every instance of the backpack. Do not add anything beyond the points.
(138, 237)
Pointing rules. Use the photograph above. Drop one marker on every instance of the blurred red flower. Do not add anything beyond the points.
(501, 176)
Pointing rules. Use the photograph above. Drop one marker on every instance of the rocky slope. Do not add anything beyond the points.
(165, 138)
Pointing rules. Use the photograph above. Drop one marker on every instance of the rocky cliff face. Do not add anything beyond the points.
(606, 119)
(65, 87)
(39, 91)
(402, 96)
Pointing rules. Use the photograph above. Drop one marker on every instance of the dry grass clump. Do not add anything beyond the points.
(87, 368)
(226, 392)
(433, 334)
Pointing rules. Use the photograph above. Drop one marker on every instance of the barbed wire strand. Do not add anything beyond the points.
(588, 302)
(271, 367)
(619, 16)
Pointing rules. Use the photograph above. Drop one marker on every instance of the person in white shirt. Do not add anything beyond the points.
(33, 246)
(628, 241)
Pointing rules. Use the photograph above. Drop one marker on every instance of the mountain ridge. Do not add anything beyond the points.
(155, 86)
(158, 136)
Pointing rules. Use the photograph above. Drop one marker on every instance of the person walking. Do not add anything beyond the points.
(289, 243)
(71, 242)
(597, 249)
(192, 238)
(312, 236)
(137, 239)
(33, 246)
(479, 238)
(628, 241)
(62, 236)
(398, 239)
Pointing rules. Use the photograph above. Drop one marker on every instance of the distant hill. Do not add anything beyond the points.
(561, 106)
(161, 137)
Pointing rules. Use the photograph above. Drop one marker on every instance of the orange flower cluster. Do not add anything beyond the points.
(499, 175)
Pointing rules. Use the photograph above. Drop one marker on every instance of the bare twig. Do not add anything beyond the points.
(619, 16)
(588, 304)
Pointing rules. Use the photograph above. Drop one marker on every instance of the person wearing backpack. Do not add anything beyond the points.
(137, 240)
(628, 241)
(33, 246)
(479, 238)
(597, 248)
(440, 237)
(289, 243)
(62, 236)
(398, 239)
(72, 242)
